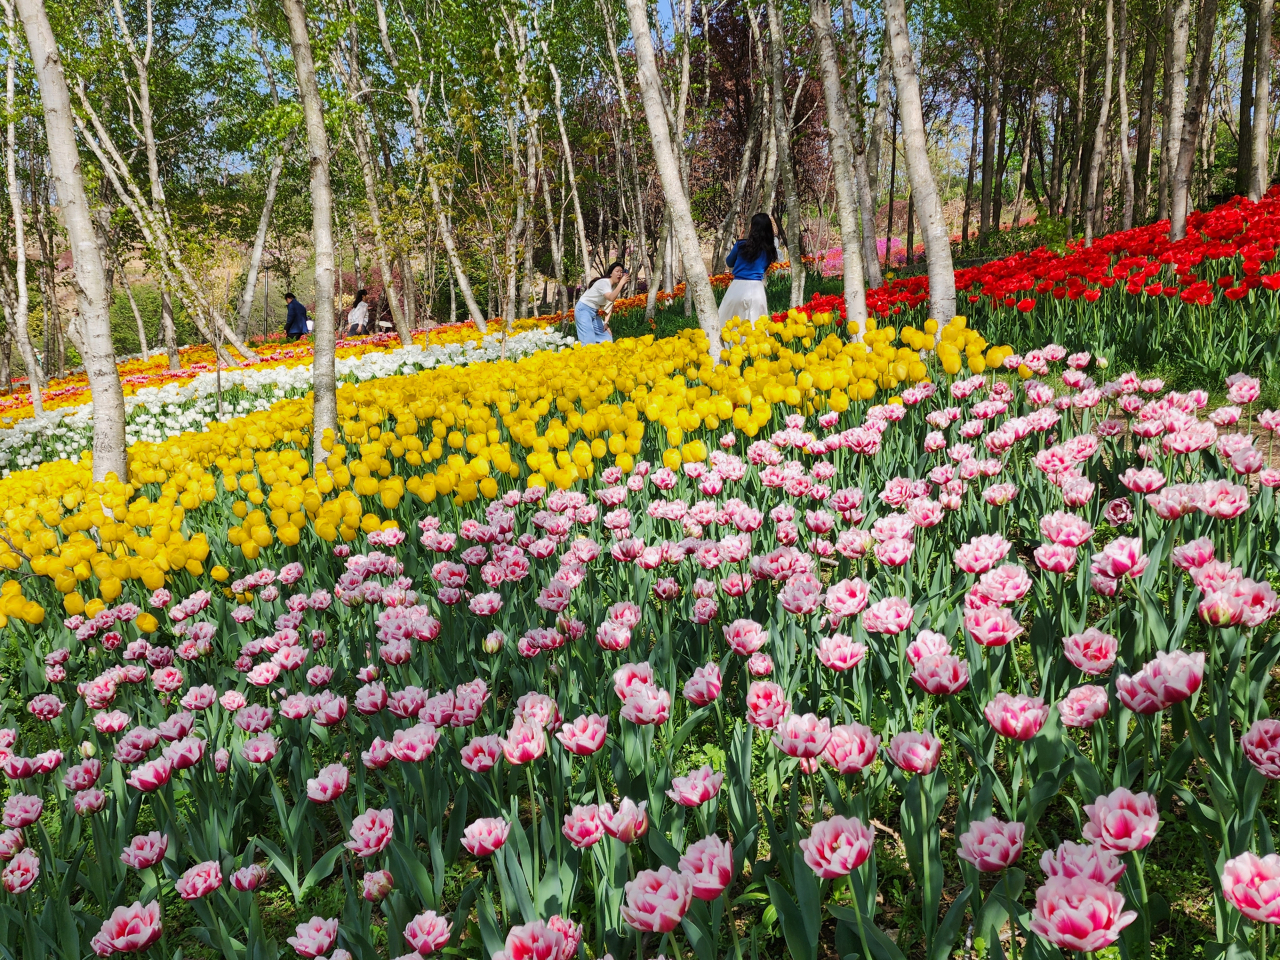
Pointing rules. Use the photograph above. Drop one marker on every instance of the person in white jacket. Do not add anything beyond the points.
(358, 317)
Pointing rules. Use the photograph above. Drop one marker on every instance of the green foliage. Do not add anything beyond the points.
(124, 328)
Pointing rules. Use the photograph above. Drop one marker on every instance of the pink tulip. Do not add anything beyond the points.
(838, 846)
(991, 625)
(572, 933)
(328, 784)
(532, 941)
(1017, 717)
(759, 665)
(200, 880)
(926, 643)
(221, 759)
(23, 870)
(1054, 558)
(848, 598)
(840, 652)
(1084, 706)
(1262, 746)
(1168, 679)
(1252, 885)
(427, 932)
(315, 937)
(485, 836)
(11, 841)
(767, 705)
(629, 822)
(582, 826)
(803, 737)
(21, 810)
(1082, 860)
(247, 879)
(851, 749)
(371, 832)
(696, 788)
(525, 742)
(657, 900)
(646, 705)
(585, 735)
(941, 674)
(745, 637)
(260, 749)
(915, 752)
(709, 863)
(481, 753)
(131, 930)
(991, 845)
(1122, 821)
(1093, 651)
(703, 687)
(1079, 914)
(1194, 554)
(415, 744)
(889, 616)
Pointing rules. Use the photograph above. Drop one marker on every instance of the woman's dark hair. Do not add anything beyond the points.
(759, 239)
(609, 271)
(359, 297)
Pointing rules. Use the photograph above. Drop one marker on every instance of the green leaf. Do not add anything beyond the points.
(799, 942)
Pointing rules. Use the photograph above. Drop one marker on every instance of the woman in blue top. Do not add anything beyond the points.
(749, 260)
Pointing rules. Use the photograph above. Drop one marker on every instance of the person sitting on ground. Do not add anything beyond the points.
(295, 323)
(358, 317)
(588, 321)
(749, 260)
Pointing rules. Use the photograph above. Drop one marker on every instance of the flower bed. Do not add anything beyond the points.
(157, 413)
(137, 374)
(611, 650)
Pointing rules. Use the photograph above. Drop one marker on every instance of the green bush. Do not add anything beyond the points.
(124, 328)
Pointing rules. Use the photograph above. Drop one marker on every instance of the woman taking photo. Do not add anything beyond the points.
(749, 260)
(358, 317)
(591, 326)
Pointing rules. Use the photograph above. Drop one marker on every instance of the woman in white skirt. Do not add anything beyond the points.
(749, 260)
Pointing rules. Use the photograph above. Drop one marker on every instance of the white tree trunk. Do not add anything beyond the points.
(324, 378)
(1175, 83)
(360, 137)
(90, 275)
(1122, 81)
(933, 226)
(21, 300)
(1100, 131)
(1261, 176)
(1201, 62)
(672, 185)
(260, 239)
(855, 294)
(782, 129)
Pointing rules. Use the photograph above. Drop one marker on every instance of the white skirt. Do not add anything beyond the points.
(744, 299)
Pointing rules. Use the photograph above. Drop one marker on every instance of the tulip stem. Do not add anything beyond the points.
(857, 910)
(733, 926)
(533, 813)
(1013, 918)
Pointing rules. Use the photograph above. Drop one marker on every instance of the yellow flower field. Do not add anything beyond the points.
(546, 420)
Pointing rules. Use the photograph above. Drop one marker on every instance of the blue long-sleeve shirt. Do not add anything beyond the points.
(746, 269)
(295, 318)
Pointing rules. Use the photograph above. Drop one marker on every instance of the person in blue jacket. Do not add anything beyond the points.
(749, 260)
(295, 323)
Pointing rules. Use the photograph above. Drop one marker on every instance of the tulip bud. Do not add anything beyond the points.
(1101, 362)
(493, 642)
(87, 749)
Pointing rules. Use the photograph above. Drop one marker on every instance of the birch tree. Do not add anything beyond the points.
(324, 378)
(696, 278)
(937, 241)
(21, 298)
(92, 296)
(1100, 131)
(855, 296)
(1260, 177)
